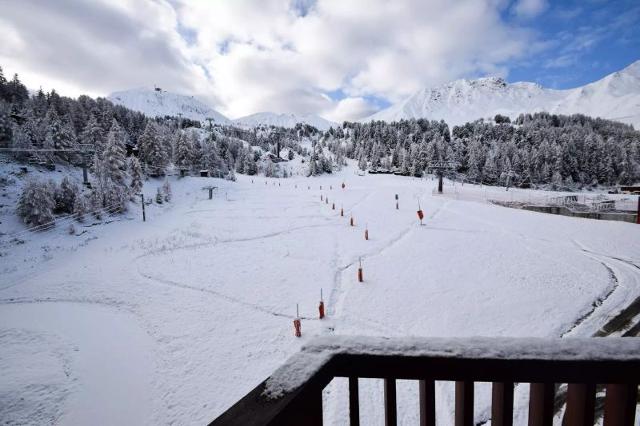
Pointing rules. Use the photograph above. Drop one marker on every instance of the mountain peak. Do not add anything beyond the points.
(156, 102)
(616, 97)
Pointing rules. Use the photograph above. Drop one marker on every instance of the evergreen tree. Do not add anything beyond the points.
(184, 151)
(36, 203)
(166, 190)
(114, 155)
(93, 135)
(6, 128)
(65, 196)
(135, 171)
(152, 150)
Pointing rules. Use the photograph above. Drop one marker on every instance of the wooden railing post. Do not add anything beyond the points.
(541, 399)
(502, 404)
(620, 405)
(464, 403)
(427, 393)
(390, 406)
(306, 410)
(354, 402)
(581, 403)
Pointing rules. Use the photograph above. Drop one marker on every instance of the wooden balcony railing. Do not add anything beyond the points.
(293, 394)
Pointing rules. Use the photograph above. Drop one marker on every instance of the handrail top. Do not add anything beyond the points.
(316, 353)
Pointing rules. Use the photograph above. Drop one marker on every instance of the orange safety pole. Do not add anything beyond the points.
(420, 213)
(360, 275)
(321, 306)
(366, 233)
(297, 325)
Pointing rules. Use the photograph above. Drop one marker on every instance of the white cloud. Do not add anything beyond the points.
(529, 8)
(255, 55)
(350, 109)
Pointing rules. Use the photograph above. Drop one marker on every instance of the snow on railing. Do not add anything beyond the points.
(293, 394)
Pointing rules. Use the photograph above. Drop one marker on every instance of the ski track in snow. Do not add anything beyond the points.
(338, 293)
(600, 300)
(218, 294)
(608, 263)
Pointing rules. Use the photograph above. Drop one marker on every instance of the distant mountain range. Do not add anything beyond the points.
(283, 120)
(615, 97)
(157, 102)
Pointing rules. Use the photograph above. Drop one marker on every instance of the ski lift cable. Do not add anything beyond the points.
(67, 218)
(49, 226)
(58, 221)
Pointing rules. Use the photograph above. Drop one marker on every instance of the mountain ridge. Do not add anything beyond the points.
(267, 118)
(615, 96)
(158, 103)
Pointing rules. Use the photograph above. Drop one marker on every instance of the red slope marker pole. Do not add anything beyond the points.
(297, 326)
(321, 306)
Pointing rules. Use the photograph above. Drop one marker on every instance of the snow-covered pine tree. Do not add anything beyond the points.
(66, 140)
(159, 196)
(21, 141)
(36, 203)
(80, 208)
(93, 135)
(166, 190)
(135, 171)
(114, 155)
(152, 150)
(184, 151)
(6, 128)
(115, 198)
(250, 165)
(65, 195)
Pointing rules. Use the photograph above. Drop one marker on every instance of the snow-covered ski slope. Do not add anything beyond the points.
(173, 320)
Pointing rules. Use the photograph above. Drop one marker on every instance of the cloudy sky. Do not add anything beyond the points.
(342, 59)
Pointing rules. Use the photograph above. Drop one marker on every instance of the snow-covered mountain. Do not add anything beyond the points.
(158, 103)
(615, 97)
(283, 120)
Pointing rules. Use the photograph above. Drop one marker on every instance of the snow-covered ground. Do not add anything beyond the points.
(174, 319)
